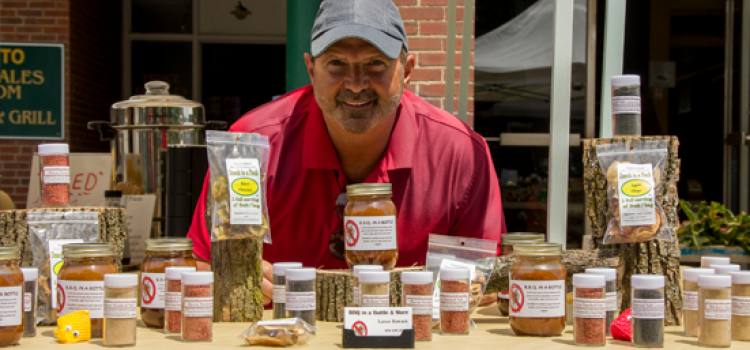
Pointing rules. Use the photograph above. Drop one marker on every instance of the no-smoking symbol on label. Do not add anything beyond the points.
(516, 298)
(149, 290)
(351, 233)
(360, 329)
(60, 298)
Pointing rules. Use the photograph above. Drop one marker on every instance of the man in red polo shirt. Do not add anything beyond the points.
(356, 123)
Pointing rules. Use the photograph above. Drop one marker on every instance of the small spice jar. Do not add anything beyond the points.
(690, 298)
(707, 261)
(589, 309)
(80, 284)
(160, 254)
(173, 300)
(11, 296)
(120, 309)
(537, 290)
(741, 305)
(626, 105)
(647, 311)
(375, 288)
(300, 294)
(454, 300)
(30, 291)
(416, 293)
(725, 269)
(715, 309)
(279, 287)
(610, 278)
(197, 305)
(54, 167)
(356, 295)
(370, 225)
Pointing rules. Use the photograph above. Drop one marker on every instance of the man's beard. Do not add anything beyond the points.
(359, 121)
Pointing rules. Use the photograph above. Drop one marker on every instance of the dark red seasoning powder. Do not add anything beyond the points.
(454, 322)
(422, 323)
(590, 331)
(173, 319)
(55, 194)
(197, 328)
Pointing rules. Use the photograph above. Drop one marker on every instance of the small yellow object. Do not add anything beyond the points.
(74, 327)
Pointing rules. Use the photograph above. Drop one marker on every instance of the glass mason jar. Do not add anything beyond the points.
(508, 241)
(11, 296)
(370, 225)
(531, 313)
(80, 284)
(160, 254)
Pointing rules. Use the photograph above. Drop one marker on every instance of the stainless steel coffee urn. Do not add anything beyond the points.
(147, 133)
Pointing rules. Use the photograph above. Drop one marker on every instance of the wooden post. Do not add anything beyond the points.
(238, 274)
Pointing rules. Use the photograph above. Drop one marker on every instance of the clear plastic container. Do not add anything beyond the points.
(375, 288)
(455, 288)
(54, 168)
(715, 309)
(589, 309)
(610, 277)
(707, 261)
(690, 316)
(356, 295)
(416, 293)
(279, 287)
(30, 291)
(725, 269)
(120, 309)
(741, 305)
(647, 310)
(626, 105)
(173, 300)
(197, 306)
(300, 294)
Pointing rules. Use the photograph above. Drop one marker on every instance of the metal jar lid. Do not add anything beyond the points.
(87, 250)
(369, 189)
(169, 244)
(157, 109)
(9, 253)
(512, 238)
(537, 249)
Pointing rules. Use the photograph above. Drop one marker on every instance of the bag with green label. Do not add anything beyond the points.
(635, 188)
(236, 201)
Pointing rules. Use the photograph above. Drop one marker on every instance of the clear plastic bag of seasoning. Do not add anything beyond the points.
(48, 232)
(237, 193)
(281, 332)
(635, 186)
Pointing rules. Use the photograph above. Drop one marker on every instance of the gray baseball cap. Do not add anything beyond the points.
(375, 21)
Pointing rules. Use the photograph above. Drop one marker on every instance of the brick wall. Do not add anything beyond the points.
(425, 22)
(39, 21)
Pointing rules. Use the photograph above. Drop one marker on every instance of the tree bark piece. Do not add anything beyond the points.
(238, 275)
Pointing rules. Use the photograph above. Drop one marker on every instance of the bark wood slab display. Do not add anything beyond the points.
(238, 276)
(654, 257)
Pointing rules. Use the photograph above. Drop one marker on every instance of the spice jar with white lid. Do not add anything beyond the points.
(715, 309)
(626, 105)
(120, 309)
(610, 277)
(279, 287)
(54, 167)
(356, 295)
(707, 261)
(690, 315)
(197, 305)
(173, 298)
(416, 293)
(741, 305)
(589, 309)
(647, 310)
(725, 269)
(300, 294)
(30, 291)
(455, 286)
(375, 288)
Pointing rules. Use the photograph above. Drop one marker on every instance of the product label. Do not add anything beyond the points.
(370, 232)
(55, 263)
(80, 295)
(245, 192)
(611, 301)
(648, 309)
(153, 288)
(454, 301)
(375, 300)
(635, 183)
(173, 301)
(198, 307)
(300, 301)
(690, 300)
(279, 293)
(626, 105)
(420, 304)
(537, 298)
(589, 308)
(11, 299)
(356, 298)
(377, 321)
(120, 308)
(741, 306)
(717, 309)
(56, 175)
(27, 302)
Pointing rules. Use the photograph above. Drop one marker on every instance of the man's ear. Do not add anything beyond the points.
(411, 61)
(309, 66)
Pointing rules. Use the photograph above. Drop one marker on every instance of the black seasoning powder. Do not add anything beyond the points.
(279, 287)
(30, 276)
(300, 294)
(648, 311)
(626, 105)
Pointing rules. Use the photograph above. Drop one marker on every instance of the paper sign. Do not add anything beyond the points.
(139, 212)
(378, 327)
(90, 176)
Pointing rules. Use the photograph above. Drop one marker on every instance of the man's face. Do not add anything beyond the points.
(357, 85)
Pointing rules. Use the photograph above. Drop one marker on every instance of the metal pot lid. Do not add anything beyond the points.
(157, 109)
(157, 95)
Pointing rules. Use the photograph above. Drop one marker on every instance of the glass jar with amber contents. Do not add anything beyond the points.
(537, 290)
(11, 296)
(370, 225)
(160, 254)
(509, 240)
(80, 284)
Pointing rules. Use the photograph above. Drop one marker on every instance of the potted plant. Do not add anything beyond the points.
(711, 228)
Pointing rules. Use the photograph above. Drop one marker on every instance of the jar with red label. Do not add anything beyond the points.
(370, 225)
(160, 254)
(11, 297)
(54, 174)
(80, 283)
(537, 290)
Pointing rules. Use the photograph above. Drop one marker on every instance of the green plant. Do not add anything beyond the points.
(713, 224)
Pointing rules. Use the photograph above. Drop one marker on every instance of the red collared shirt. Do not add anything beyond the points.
(442, 174)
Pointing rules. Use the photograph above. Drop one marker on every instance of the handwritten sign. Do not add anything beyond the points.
(90, 176)
(32, 91)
